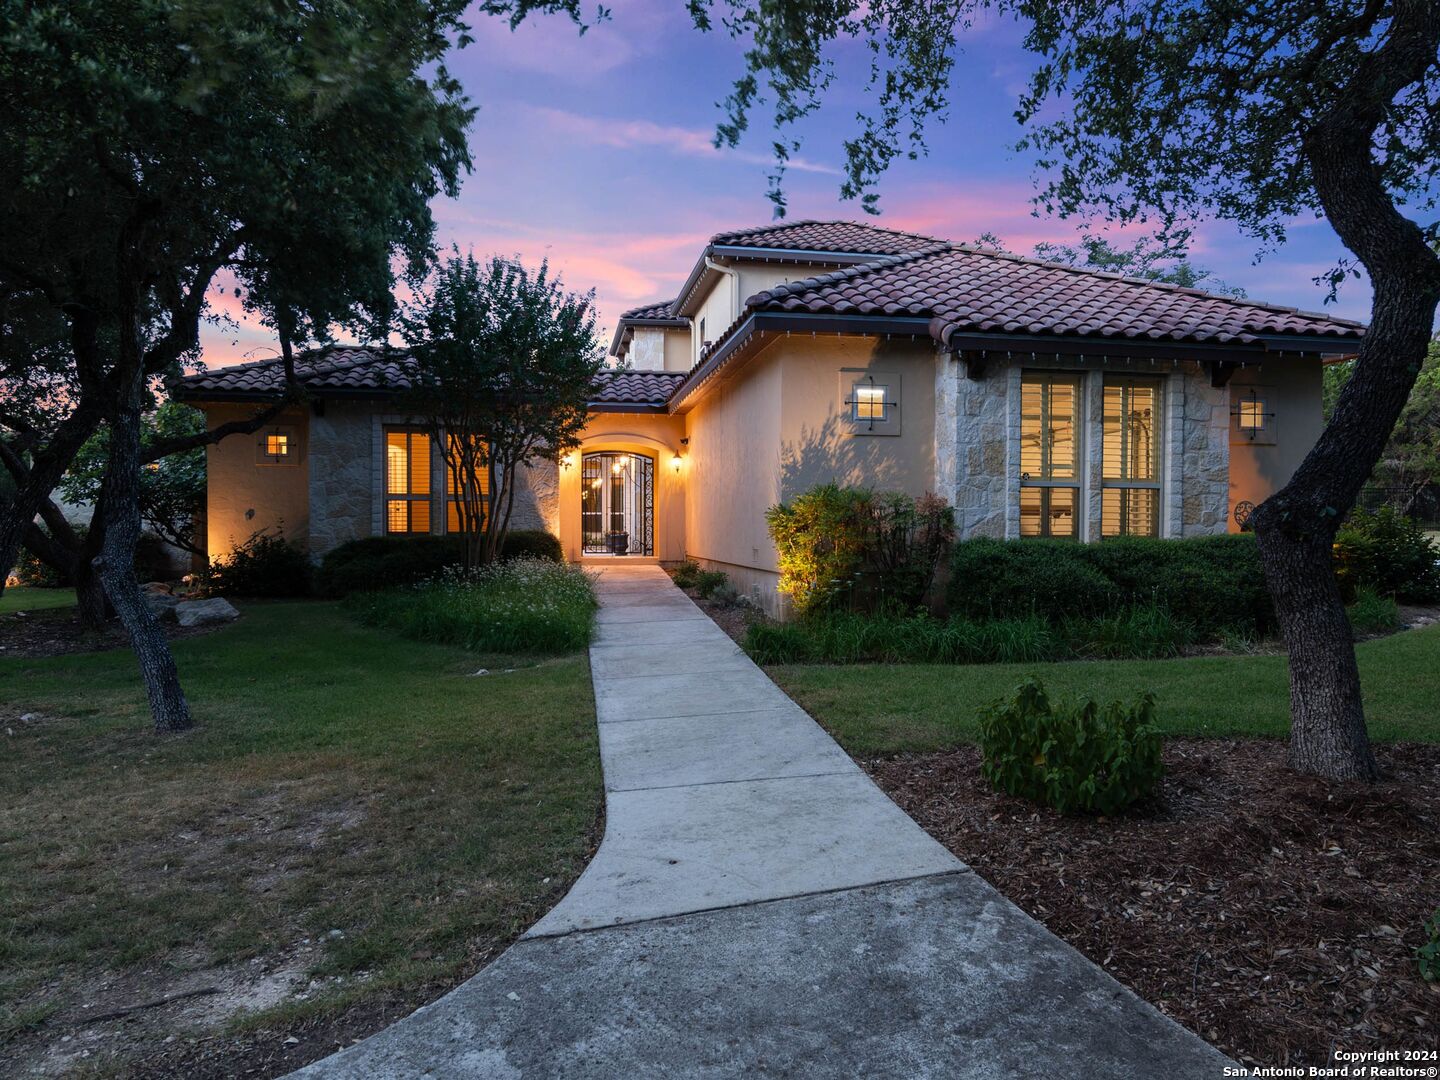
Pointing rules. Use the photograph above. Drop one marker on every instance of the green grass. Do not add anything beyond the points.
(526, 604)
(875, 709)
(30, 598)
(339, 778)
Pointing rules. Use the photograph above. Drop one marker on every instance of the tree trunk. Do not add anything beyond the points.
(1327, 718)
(120, 503)
(1296, 530)
(94, 606)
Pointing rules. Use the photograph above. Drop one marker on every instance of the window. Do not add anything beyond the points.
(277, 446)
(868, 403)
(1049, 455)
(871, 401)
(1130, 487)
(453, 519)
(1252, 421)
(407, 481)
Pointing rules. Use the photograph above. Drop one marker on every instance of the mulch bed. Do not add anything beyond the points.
(57, 632)
(1276, 915)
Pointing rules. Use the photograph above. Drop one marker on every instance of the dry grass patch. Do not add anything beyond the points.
(356, 824)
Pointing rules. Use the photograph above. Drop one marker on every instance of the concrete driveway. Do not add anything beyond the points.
(758, 905)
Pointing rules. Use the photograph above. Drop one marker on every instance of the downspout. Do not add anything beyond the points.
(734, 276)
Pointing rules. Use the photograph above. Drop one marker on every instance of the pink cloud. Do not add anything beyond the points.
(626, 134)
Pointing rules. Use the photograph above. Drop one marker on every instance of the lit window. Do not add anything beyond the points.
(868, 403)
(1252, 414)
(407, 481)
(1049, 455)
(277, 446)
(1130, 487)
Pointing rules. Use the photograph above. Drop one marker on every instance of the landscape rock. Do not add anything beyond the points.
(159, 588)
(163, 605)
(205, 612)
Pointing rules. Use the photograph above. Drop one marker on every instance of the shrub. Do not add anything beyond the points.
(1428, 954)
(852, 547)
(1372, 613)
(1142, 633)
(1077, 757)
(1210, 584)
(820, 540)
(707, 582)
(686, 574)
(525, 604)
(383, 562)
(1389, 553)
(778, 643)
(266, 564)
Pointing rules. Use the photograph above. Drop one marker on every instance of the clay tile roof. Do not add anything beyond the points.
(649, 388)
(839, 236)
(657, 312)
(380, 373)
(351, 370)
(969, 290)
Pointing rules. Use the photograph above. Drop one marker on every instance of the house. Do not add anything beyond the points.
(1041, 400)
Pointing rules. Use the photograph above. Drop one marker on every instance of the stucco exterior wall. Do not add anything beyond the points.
(782, 427)
(678, 354)
(1293, 390)
(733, 471)
(818, 442)
(243, 497)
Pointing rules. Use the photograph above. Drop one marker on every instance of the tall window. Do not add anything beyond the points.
(1049, 455)
(407, 481)
(1130, 489)
(454, 523)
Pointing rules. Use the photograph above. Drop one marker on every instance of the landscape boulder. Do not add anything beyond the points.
(163, 605)
(205, 612)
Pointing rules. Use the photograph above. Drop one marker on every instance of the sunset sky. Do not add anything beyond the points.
(596, 152)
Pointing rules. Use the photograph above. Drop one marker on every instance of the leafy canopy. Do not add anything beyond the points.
(172, 489)
(504, 365)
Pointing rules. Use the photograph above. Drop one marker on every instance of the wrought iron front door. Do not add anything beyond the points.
(617, 504)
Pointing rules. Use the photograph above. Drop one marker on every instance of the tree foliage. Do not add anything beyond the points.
(172, 488)
(505, 364)
(148, 147)
(1408, 472)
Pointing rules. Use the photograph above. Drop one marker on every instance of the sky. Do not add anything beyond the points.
(596, 152)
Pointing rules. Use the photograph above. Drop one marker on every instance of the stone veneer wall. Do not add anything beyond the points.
(347, 464)
(984, 459)
(342, 488)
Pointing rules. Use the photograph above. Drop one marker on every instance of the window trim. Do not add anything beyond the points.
(1076, 483)
(1122, 484)
(288, 432)
(388, 496)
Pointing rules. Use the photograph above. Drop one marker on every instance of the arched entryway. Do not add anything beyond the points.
(617, 503)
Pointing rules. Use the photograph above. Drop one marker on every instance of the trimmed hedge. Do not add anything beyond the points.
(1212, 583)
(383, 562)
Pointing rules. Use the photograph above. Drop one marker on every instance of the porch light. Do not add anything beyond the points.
(675, 462)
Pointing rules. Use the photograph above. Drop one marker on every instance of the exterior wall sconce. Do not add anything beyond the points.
(676, 461)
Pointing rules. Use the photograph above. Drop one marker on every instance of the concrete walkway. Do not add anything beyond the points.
(759, 906)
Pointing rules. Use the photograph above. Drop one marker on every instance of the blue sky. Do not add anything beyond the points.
(595, 151)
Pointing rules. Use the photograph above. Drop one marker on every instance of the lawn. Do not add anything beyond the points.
(875, 709)
(357, 816)
(29, 598)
